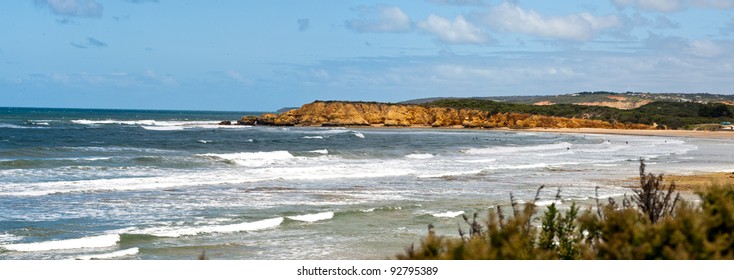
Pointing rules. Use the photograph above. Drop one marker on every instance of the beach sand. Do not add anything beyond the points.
(698, 182)
(688, 183)
(691, 183)
(641, 132)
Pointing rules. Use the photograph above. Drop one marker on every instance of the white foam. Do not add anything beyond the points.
(7, 125)
(313, 137)
(121, 184)
(159, 125)
(111, 121)
(320, 130)
(225, 126)
(116, 149)
(605, 164)
(313, 217)
(163, 128)
(323, 152)
(547, 202)
(358, 134)
(204, 141)
(254, 159)
(449, 174)
(524, 166)
(116, 254)
(448, 214)
(84, 242)
(517, 149)
(137, 179)
(606, 196)
(420, 156)
(7, 237)
(84, 158)
(249, 226)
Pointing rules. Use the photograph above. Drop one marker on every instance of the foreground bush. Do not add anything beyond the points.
(652, 224)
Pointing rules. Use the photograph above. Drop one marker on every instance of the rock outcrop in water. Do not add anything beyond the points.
(334, 113)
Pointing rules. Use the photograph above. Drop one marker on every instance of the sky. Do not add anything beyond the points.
(264, 55)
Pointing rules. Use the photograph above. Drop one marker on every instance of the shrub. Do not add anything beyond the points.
(653, 224)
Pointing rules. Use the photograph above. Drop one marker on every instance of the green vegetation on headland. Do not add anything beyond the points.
(664, 114)
(652, 224)
(336, 113)
(623, 99)
(580, 110)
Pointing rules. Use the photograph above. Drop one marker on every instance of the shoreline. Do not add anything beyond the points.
(722, 135)
(725, 135)
(687, 183)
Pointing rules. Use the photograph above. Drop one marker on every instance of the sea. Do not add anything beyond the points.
(175, 185)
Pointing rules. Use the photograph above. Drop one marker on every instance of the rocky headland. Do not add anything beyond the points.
(337, 113)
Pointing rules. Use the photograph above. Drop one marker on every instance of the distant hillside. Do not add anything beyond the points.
(664, 114)
(626, 101)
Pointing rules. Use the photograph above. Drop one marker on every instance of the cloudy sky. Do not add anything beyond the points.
(264, 55)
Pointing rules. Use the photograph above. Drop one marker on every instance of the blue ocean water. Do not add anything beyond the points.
(83, 184)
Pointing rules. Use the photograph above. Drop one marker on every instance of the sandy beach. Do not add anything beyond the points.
(687, 182)
(638, 132)
(674, 133)
(692, 182)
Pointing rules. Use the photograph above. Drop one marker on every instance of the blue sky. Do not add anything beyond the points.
(264, 55)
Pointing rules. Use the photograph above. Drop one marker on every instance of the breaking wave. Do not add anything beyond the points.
(312, 217)
(252, 159)
(448, 214)
(84, 242)
(248, 226)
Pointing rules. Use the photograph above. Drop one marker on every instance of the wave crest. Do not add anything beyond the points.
(252, 159)
(248, 226)
(312, 217)
(84, 242)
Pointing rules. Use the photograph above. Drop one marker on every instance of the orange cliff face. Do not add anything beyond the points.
(333, 113)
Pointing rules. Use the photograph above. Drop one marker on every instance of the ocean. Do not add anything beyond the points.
(128, 184)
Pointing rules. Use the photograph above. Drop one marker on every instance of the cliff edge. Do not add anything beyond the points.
(335, 113)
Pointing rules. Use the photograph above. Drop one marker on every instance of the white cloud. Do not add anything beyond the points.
(380, 19)
(716, 4)
(673, 5)
(73, 8)
(662, 22)
(84, 79)
(459, 31)
(152, 76)
(458, 2)
(582, 26)
(234, 75)
(704, 48)
(650, 5)
(679, 46)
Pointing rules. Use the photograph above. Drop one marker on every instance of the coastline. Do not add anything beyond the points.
(688, 183)
(639, 132)
(722, 135)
